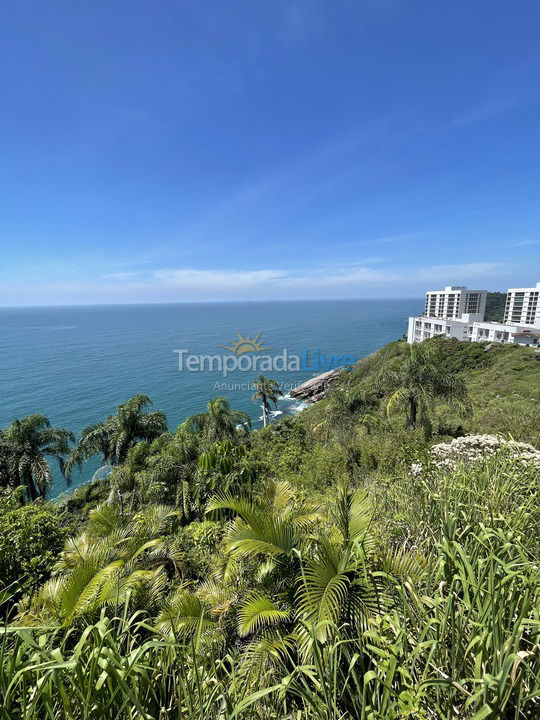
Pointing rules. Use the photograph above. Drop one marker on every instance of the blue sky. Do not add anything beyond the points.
(169, 151)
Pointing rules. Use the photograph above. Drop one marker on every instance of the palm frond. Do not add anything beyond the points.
(184, 614)
(257, 611)
(324, 585)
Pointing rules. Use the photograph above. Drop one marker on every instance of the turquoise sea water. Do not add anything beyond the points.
(76, 364)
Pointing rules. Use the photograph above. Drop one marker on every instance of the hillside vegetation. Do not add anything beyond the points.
(374, 557)
(503, 383)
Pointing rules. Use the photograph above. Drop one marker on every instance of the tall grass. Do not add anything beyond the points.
(115, 668)
(460, 637)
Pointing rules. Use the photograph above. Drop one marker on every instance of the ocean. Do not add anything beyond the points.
(77, 364)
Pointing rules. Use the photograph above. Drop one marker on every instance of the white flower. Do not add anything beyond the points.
(474, 448)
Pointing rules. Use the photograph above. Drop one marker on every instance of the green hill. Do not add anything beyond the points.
(341, 563)
(505, 373)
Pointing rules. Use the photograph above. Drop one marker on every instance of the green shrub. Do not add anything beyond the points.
(199, 543)
(31, 536)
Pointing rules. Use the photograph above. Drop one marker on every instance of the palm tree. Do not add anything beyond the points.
(114, 437)
(305, 577)
(419, 381)
(219, 422)
(267, 391)
(114, 561)
(25, 446)
(172, 466)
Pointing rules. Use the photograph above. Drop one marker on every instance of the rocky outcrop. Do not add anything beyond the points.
(315, 389)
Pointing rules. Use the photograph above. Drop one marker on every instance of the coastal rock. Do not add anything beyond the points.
(315, 388)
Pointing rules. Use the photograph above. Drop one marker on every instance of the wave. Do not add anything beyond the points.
(102, 473)
(272, 413)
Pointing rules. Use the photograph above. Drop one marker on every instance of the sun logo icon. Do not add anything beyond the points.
(246, 344)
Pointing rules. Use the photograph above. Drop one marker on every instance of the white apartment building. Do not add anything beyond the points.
(458, 312)
(505, 333)
(454, 302)
(523, 306)
(448, 312)
(421, 328)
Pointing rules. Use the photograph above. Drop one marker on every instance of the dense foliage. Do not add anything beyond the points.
(374, 557)
(31, 537)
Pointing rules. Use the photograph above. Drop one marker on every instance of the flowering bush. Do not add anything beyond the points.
(475, 448)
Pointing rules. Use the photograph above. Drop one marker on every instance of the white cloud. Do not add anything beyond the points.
(467, 270)
(482, 113)
(527, 242)
(320, 277)
(192, 284)
(217, 279)
(119, 276)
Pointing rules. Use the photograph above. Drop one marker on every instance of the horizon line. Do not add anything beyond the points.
(210, 302)
(220, 302)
